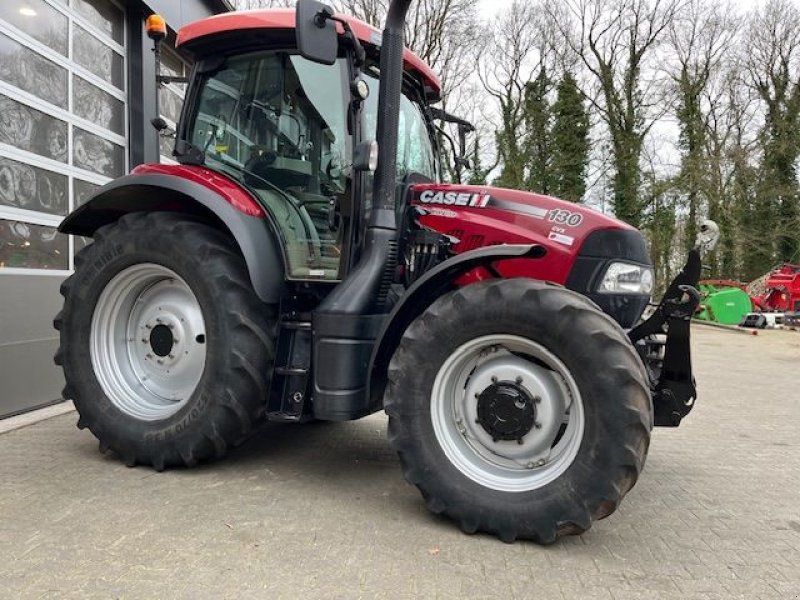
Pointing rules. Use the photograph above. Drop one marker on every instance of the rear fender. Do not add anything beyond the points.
(422, 294)
(150, 192)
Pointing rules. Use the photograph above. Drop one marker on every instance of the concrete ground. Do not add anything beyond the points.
(322, 511)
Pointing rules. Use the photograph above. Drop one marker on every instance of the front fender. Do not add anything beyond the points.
(163, 192)
(422, 294)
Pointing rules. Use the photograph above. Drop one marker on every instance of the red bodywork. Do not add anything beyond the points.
(782, 290)
(282, 18)
(227, 189)
(484, 216)
(475, 215)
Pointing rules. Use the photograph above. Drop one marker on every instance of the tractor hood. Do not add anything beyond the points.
(483, 216)
(581, 243)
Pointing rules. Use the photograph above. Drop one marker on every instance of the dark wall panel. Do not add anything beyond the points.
(27, 345)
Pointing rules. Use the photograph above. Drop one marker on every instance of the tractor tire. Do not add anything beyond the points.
(166, 350)
(519, 409)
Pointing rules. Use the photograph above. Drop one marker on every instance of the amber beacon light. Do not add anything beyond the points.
(156, 27)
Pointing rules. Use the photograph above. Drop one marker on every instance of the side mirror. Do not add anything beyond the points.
(316, 32)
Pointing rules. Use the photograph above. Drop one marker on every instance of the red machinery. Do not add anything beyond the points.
(781, 290)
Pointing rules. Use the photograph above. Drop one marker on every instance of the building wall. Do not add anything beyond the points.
(77, 92)
(29, 377)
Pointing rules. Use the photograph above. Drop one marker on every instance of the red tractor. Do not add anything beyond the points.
(302, 261)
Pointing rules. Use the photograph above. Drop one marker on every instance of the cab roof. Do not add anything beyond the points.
(284, 18)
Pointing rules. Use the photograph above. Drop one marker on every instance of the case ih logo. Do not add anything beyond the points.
(454, 198)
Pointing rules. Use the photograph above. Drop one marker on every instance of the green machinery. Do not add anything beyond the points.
(724, 302)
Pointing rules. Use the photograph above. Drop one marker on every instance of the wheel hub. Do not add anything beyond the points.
(506, 411)
(148, 341)
(161, 340)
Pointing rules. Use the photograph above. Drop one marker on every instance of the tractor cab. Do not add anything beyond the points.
(299, 134)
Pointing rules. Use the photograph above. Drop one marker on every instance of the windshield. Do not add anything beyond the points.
(276, 122)
(415, 152)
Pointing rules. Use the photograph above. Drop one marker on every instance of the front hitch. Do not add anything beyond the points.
(663, 339)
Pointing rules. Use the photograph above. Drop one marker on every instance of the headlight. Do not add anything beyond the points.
(625, 278)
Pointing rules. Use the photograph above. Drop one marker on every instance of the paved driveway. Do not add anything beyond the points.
(321, 511)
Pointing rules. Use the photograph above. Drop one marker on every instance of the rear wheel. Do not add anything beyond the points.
(519, 409)
(166, 350)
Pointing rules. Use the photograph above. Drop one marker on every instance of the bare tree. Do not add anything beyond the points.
(613, 40)
(698, 39)
(516, 51)
(772, 63)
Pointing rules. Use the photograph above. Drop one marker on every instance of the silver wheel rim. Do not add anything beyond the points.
(546, 451)
(147, 342)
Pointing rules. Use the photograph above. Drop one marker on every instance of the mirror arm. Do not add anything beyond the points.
(440, 115)
(349, 35)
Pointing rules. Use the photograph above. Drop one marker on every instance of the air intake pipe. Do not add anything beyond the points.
(363, 292)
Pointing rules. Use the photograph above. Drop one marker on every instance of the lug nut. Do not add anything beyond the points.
(537, 425)
(519, 380)
(494, 379)
(159, 361)
(144, 340)
(537, 399)
(172, 356)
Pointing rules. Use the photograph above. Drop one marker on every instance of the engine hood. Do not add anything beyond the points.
(551, 214)
(482, 216)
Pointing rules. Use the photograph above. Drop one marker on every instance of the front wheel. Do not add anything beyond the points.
(519, 409)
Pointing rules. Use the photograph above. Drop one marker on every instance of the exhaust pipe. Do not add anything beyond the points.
(392, 48)
(364, 291)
